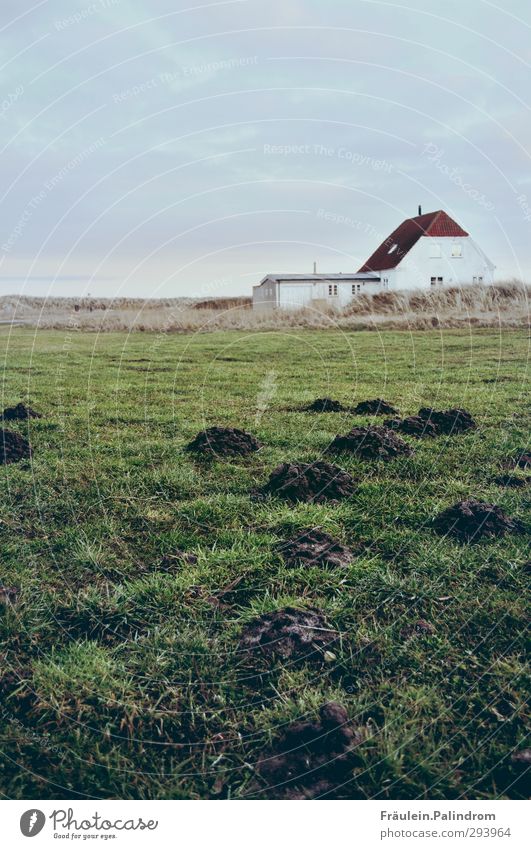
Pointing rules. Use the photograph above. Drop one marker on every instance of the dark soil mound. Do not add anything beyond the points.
(523, 461)
(511, 481)
(431, 422)
(13, 447)
(315, 548)
(471, 519)
(325, 405)
(288, 633)
(225, 441)
(371, 443)
(177, 558)
(20, 412)
(420, 628)
(412, 426)
(316, 482)
(376, 407)
(310, 758)
(448, 421)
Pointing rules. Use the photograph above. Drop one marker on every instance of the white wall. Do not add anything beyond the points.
(295, 295)
(420, 264)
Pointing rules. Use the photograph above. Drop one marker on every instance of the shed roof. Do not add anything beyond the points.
(393, 250)
(315, 278)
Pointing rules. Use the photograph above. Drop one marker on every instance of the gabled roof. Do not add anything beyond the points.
(393, 250)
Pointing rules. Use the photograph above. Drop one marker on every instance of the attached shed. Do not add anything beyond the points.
(298, 291)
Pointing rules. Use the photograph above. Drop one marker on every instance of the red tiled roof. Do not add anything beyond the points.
(437, 224)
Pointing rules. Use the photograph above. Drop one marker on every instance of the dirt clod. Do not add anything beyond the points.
(448, 421)
(375, 407)
(412, 426)
(371, 443)
(325, 405)
(13, 447)
(420, 628)
(310, 758)
(317, 482)
(20, 412)
(315, 548)
(289, 633)
(471, 519)
(225, 441)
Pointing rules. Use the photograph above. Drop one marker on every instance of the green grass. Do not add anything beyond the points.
(120, 680)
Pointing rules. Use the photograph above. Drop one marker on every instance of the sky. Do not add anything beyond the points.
(153, 148)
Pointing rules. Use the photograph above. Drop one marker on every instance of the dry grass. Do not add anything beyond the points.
(501, 305)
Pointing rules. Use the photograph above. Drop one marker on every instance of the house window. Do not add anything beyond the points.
(477, 280)
(332, 289)
(457, 250)
(435, 250)
(385, 282)
(436, 281)
(356, 288)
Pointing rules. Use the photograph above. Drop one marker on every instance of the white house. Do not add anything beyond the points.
(429, 250)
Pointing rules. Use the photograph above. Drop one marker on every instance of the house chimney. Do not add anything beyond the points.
(420, 209)
(315, 268)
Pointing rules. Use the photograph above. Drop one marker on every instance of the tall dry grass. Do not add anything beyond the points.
(502, 304)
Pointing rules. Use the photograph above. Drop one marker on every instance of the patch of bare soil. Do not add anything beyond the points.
(8, 595)
(317, 482)
(315, 548)
(20, 412)
(176, 558)
(420, 628)
(412, 426)
(470, 520)
(371, 443)
(523, 460)
(375, 407)
(325, 405)
(448, 422)
(523, 756)
(13, 447)
(310, 759)
(223, 441)
(301, 634)
(511, 481)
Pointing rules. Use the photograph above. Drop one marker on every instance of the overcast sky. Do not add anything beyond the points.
(160, 148)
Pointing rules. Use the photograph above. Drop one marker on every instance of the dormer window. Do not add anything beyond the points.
(392, 249)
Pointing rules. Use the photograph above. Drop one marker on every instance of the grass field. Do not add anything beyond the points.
(122, 680)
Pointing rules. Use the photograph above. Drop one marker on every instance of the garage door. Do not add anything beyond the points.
(295, 297)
